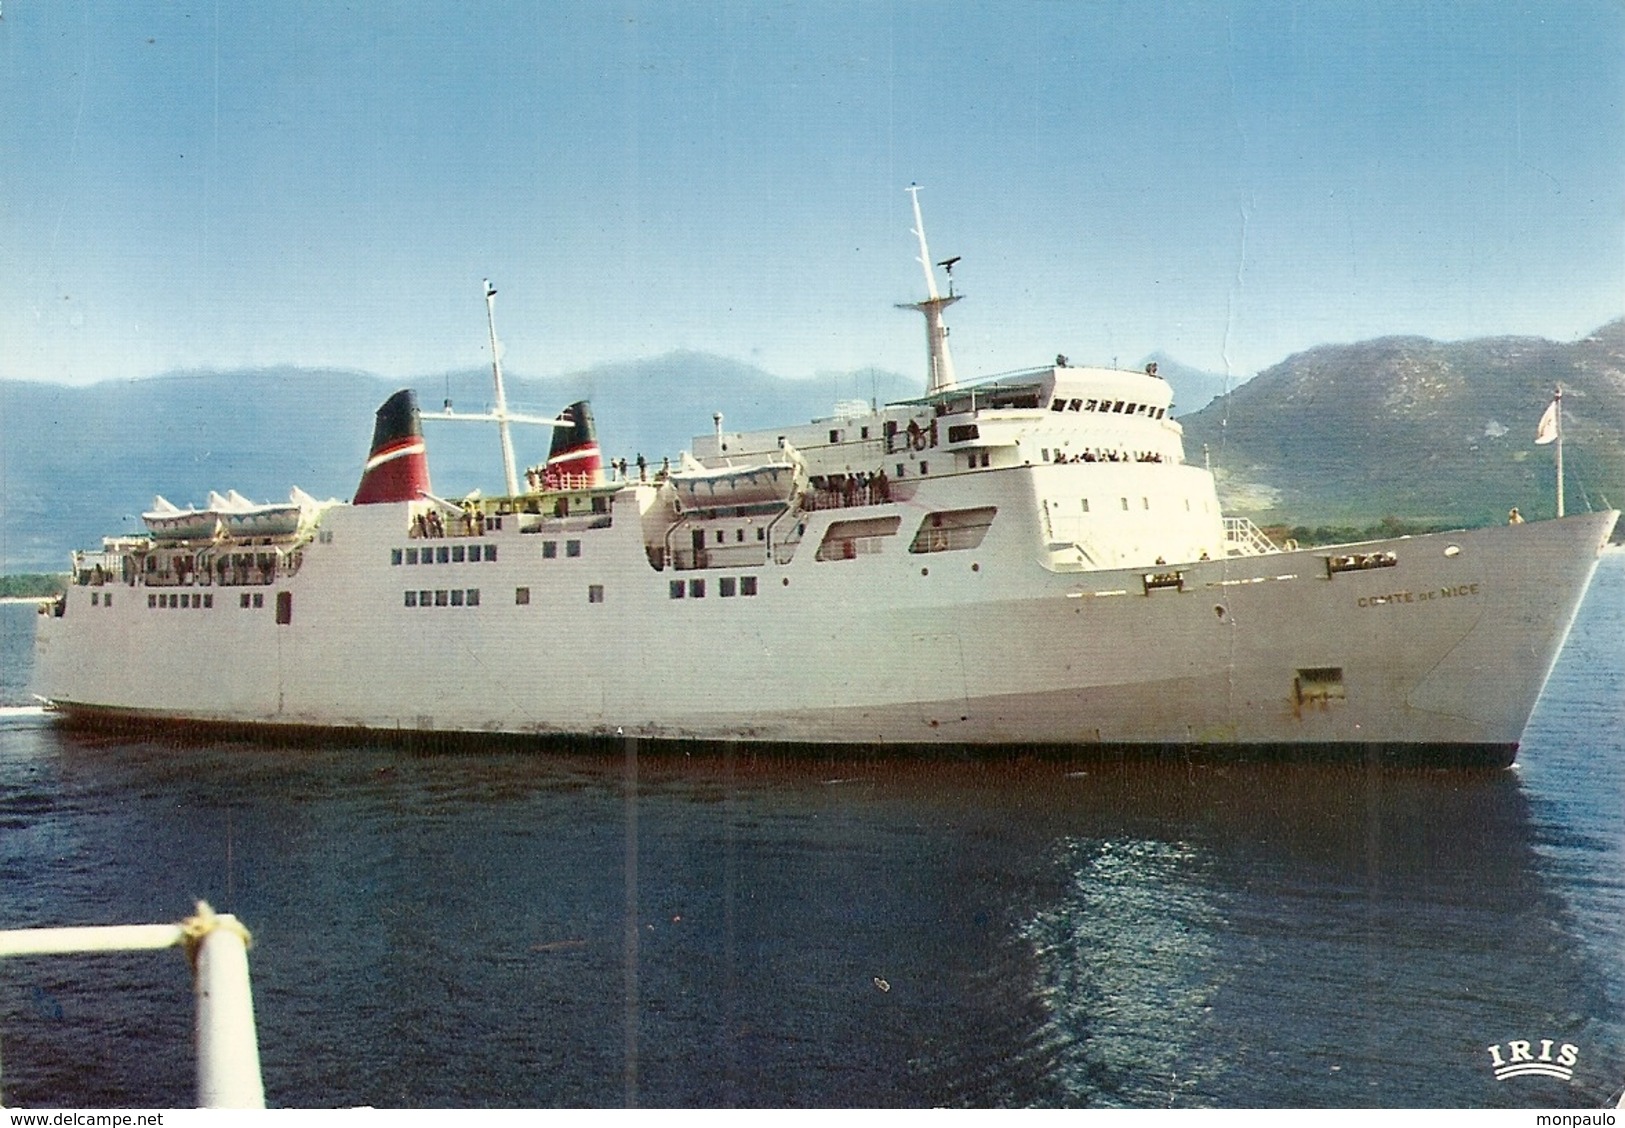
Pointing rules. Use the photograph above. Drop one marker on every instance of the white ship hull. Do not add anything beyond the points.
(1022, 561)
(1441, 655)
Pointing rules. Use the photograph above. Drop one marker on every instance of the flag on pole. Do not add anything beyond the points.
(1547, 430)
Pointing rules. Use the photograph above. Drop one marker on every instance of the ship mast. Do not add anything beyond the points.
(510, 476)
(940, 375)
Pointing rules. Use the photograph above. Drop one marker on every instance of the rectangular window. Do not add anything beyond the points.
(457, 554)
(442, 554)
(521, 595)
(1145, 503)
(953, 529)
(95, 598)
(456, 597)
(411, 599)
(425, 598)
(152, 601)
(761, 534)
(441, 597)
(747, 585)
(394, 556)
(726, 587)
(572, 548)
(595, 593)
(696, 589)
(1086, 505)
(174, 601)
(259, 599)
(721, 536)
(411, 556)
(242, 600)
(739, 536)
(846, 540)
(677, 589)
(490, 553)
(208, 600)
(550, 550)
(284, 608)
(834, 436)
(1124, 500)
(925, 467)
(473, 597)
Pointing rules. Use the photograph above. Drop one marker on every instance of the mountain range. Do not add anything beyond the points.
(1398, 427)
(1423, 431)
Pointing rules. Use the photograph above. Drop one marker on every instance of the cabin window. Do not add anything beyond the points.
(442, 597)
(208, 601)
(678, 587)
(550, 550)
(152, 601)
(473, 597)
(1124, 500)
(950, 530)
(761, 534)
(863, 433)
(521, 596)
(1086, 505)
(284, 608)
(442, 554)
(411, 556)
(490, 553)
(572, 548)
(242, 600)
(721, 537)
(425, 599)
(457, 554)
(696, 589)
(600, 505)
(259, 599)
(95, 598)
(899, 469)
(394, 556)
(595, 593)
(727, 586)
(1044, 454)
(846, 540)
(925, 468)
(834, 436)
(747, 585)
(963, 433)
(1145, 503)
(411, 599)
(456, 597)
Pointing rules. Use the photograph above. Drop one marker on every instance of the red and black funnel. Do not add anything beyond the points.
(573, 460)
(398, 467)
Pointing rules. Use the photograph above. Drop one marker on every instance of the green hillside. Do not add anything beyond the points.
(1426, 432)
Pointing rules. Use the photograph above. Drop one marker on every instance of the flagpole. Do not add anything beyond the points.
(1558, 400)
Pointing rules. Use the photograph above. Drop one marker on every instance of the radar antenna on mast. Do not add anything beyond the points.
(940, 373)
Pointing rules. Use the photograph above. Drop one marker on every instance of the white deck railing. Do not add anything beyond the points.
(228, 1054)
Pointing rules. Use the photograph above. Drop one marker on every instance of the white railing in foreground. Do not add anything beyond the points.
(228, 1053)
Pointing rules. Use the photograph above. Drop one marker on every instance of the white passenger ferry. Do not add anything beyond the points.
(1027, 560)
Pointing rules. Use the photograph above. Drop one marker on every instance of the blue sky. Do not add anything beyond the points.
(208, 186)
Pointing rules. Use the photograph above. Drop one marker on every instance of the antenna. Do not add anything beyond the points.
(509, 475)
(940, 374)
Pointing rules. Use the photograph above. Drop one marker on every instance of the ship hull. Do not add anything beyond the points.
(1438, 657)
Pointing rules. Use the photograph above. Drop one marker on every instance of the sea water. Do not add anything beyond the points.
(743, 928)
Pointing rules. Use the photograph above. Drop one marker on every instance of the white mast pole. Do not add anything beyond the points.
(510, 476)
(941, 374)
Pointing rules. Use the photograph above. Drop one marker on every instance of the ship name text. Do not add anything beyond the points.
(1452, 592)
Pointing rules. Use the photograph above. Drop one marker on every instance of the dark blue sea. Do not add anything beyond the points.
(658, 929)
